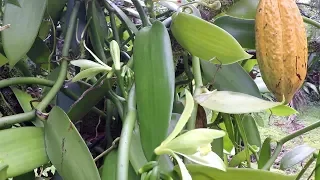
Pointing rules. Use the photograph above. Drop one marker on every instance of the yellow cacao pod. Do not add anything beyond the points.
(281, 47)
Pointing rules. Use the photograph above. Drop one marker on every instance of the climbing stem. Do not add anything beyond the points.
(125, 138)
(143, 15)
(17, 118)
(25, 80)
(198, 84)
(286, 139)
(64, 62)
(303, 170)
(311, 22)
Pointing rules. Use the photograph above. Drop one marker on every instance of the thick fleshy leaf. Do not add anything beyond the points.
(23, 149)
(66, 149)
(109, 169)
(210, 42)
(265, 153)
(85, 64)
(233, 102)
(238, 158)
(317, 170)
(244, 9)
(241, 29)
(24, 99)
(55, 7)
(249, 64)
(211, 160)
(27, 176)
(3, 60)
(98, 28)
(88, 99)
(14, 2)
(39, 52)
(199, 172)
(261, 85)
(223, 80)
(227, 142)
(25, 22)
(251, 130)
(89, 73)
(3, 171)
(283, 110)
(183, 118)
(189, 142)
(296, 155)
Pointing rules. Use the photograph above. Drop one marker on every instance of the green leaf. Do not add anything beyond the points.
(3, 60)
(24, 99)
(229, 78)
(210, 42)
(241, 29)
(39, 52)
(283, 110)
(89, 73)
(27, 176)
(233, 102)
(3, 171)
(98, 28)
(251, 130)
(25, 23)
(238, 158)
(55, 8)
(66, 149)
(23, 149)
(88, 99)
(85, 64)
(109, 167)
(115, 54)
(244, 9)
(227, 142)
(265, 153)
(317, 168)
(199, 172)
(249, 64)
(295, 156)
(14, 2)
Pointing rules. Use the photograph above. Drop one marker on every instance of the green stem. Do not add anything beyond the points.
(244, 138)
(125, 138)
(143, 16)
(286, 139)
(64, 64)
(303, 170)
(114, 27)
(198, 83)
(17, 118)
(311, 22)
(25, 80)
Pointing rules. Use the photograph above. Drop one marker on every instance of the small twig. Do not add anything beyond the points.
(113, 146)
(5, 27)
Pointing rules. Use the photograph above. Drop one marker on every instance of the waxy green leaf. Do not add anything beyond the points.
(3, 171)
(233, 102)
(25, 22)
(199, 172)
(66, 149)
(23, 149)
(241, 29)
(24, 99)
(251, 130)
(230, 77)
(3, 60)
(245, 9)
(296, 155)
(205, 40)
(317, 168)
(283, 110)
(238, 158)
(265, 153)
